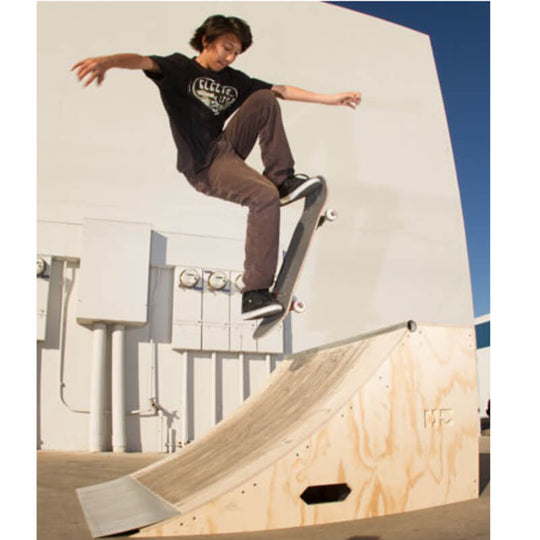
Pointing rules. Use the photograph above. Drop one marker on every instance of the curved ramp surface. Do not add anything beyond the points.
(377, 424)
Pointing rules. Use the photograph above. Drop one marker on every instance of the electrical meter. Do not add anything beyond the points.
(41, 266)
(189, 278)
(239, 282)
(217, 280)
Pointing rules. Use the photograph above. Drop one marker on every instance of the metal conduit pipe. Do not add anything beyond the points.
(154, 406)
(98, 380)
(118, 388)
(67, 288)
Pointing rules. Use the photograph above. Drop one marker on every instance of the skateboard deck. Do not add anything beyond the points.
(295, 257)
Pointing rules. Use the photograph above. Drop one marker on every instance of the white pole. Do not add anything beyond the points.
(118, 388)
(98, 385)
(213, 402)
(161, 445)
(170, 448)
(241, 380)
(268, 365)
(185, 390)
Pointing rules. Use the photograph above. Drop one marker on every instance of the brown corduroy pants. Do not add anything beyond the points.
(228, 177)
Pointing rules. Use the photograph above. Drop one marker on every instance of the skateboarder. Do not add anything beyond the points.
(199, 95)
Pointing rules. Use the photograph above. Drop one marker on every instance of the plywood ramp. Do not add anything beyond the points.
(379, 424)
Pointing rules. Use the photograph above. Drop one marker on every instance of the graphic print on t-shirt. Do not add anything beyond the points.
(214, 95)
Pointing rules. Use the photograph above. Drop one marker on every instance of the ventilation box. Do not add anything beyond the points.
(115, 264)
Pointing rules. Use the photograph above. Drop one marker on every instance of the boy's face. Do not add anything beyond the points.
(220, 53)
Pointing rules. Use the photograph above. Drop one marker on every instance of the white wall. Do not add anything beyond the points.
(396, 252)
(195, 389)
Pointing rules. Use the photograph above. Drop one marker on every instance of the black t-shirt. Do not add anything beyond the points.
(198, 102)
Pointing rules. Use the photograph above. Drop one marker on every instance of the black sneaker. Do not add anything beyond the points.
(259, 303)
(297, 186)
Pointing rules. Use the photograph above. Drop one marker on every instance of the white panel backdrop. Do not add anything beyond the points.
(397, 250)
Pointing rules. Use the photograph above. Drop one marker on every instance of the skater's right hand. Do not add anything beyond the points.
(92, 69)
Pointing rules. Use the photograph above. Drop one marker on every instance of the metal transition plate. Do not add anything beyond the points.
(121, 505)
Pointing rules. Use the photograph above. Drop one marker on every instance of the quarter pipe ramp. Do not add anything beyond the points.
(374, 425)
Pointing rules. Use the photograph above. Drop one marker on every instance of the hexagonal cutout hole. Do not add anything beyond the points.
(327, 493)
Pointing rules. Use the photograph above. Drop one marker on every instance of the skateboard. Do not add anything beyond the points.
(287, 280)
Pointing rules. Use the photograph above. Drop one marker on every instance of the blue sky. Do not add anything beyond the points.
(460, 37)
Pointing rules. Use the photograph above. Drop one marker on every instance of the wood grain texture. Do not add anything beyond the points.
(303, 392)
(392, 415)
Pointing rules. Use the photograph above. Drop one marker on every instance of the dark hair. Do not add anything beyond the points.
(218, 25)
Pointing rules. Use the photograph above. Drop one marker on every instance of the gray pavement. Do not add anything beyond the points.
(59, 516)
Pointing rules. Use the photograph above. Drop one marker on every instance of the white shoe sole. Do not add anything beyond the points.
(262, 312)
(293, 195)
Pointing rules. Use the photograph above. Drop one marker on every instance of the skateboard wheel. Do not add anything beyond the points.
(330, 215)
(298, 306)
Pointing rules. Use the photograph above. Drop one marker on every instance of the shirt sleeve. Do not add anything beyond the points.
(257, 84)
(169, 67)
(248, 84)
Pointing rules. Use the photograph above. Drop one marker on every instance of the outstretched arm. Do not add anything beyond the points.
(95, 68)
(350, 99)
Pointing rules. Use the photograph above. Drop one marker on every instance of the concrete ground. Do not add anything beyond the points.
(59, 516)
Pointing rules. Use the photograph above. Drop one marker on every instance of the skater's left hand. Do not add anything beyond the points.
(350, 99)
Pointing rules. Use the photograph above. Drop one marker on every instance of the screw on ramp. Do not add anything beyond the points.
(374, 425)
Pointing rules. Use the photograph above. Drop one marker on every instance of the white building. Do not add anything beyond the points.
(130, 360)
